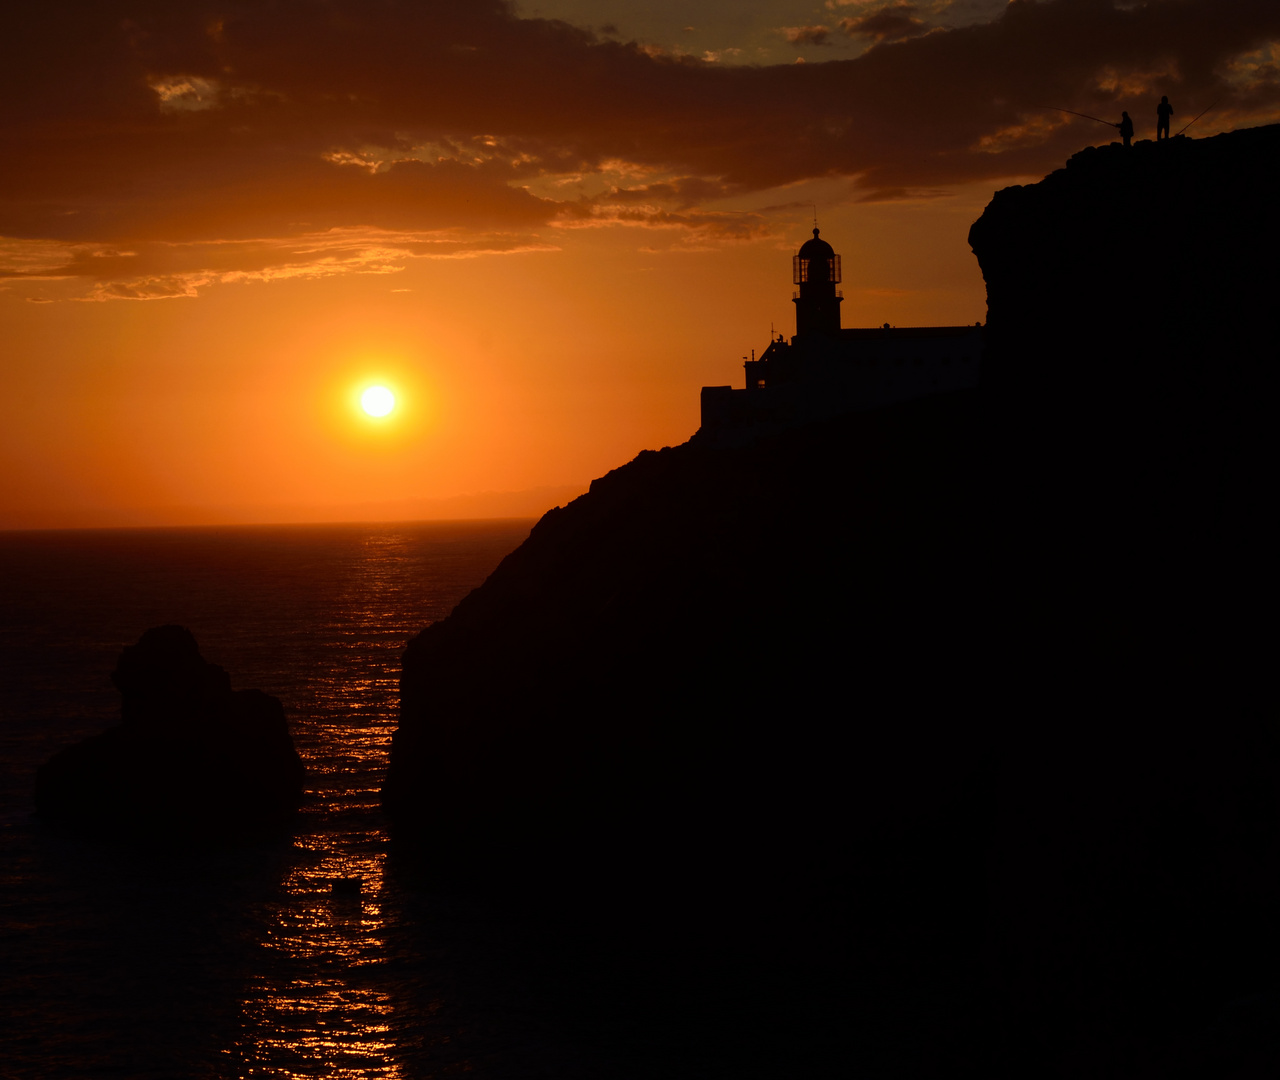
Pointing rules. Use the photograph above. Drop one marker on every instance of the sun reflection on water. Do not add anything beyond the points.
(317, 1009)
(314, 1012)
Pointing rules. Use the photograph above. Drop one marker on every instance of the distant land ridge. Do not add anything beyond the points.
(527, 503)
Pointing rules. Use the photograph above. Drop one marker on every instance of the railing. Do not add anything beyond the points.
(817, 271)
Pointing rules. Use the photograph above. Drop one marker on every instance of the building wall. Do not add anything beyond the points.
(814, 378)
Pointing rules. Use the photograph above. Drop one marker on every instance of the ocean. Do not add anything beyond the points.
(122, 960)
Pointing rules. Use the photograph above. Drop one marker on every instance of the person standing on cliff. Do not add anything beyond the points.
(1163, 111)
(1126, 128)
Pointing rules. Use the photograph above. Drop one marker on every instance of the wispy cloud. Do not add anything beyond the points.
(888, 22)
(160, 271)
(806, 35)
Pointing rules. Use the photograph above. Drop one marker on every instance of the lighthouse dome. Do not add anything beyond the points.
(816, 265)
(816, 249)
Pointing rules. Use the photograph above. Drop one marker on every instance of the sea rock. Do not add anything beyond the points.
(190, 755)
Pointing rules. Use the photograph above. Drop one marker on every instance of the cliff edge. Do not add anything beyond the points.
(1136, 275)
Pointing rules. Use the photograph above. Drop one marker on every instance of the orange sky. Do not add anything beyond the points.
(219, 222)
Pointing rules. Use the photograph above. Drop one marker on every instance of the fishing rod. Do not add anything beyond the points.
(1196, 117)
(1109, 123)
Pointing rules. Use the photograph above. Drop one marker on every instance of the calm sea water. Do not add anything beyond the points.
(127, 961)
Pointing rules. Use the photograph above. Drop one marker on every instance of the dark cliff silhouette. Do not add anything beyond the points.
(190, 756)
(1118, 278)
(992, 661)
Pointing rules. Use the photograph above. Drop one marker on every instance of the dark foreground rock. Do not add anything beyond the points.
(993, 666)
(190, 756)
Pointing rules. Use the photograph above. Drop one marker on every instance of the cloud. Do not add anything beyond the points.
(185, 93)
(166, 130)
(158, 270)
(167, 287)
(682, 192)
(699, 228)
(806, 35)
(33, 258)
(892, 22)
(650, 206)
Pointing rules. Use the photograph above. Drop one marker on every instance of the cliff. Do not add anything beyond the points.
(683, 638)
(992, 659)
(1139, 275)
(190, 758)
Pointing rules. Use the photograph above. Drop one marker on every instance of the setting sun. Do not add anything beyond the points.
(377, 401)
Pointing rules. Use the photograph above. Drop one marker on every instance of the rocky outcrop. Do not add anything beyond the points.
(1136, 275)
(190, 756)
(993, 659)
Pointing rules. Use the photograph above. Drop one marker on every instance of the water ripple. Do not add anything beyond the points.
(106, 949)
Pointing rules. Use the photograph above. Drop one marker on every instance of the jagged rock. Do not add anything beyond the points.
(190, 755)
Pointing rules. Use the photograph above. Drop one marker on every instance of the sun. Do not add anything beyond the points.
(377, 401)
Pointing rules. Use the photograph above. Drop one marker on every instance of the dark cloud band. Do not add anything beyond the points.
(135, 121)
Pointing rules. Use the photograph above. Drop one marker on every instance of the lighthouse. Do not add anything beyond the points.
(816, 270)
(827, 370)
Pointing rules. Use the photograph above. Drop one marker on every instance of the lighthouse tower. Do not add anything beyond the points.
(816, 270)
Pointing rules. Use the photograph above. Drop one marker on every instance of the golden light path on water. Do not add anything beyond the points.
(318, 1007)
(325, 1022)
